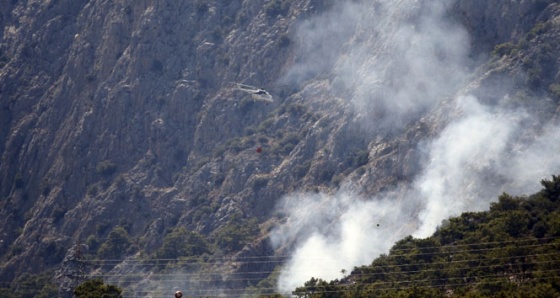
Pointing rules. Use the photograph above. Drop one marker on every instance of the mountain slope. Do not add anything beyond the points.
(509, 251)
(119, 121)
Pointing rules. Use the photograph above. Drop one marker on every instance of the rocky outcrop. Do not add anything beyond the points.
(122, 113)
(115, 111)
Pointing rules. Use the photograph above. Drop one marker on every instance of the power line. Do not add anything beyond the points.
(342, 288)
(402, 283)
(179, 261)
(443, 251)
(283, 257)
(196, 277)
(372, 267)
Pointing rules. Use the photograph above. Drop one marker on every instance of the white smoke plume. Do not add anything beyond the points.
(396, 59)
(336, 233)
(404, 59)
(470, 165)
(392, 58)
(469, 149)
(538, 160)
(321, 40)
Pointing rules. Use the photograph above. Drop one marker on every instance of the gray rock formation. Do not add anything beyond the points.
(122, 113)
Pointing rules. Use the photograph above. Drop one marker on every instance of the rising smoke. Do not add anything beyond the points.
(337, 232)
(396, 59)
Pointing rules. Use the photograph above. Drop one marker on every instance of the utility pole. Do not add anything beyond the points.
(71, 272)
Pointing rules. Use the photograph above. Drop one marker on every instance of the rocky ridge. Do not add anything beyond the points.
(122, 113)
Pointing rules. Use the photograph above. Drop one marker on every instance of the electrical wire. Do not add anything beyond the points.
(281, 258)
(395, 284)
(247, 275)
(179, 262)
(198, 277)
(203, 277)
(343, 289)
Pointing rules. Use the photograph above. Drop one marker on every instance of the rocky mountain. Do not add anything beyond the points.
(119, 120)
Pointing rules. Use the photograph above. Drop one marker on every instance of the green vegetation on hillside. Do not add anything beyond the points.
(512, 250)
(95, 288)
(31, 285)
(117, 244)
(3, 59)
(236, 234)
(277, 7)
(182, 243)
(535, 50)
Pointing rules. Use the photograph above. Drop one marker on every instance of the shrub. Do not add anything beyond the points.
(505, 202)
(284, 41)
(102, 227)
(357, 158)
(540, 5)
(250, 131)
(503, 49)
(18, 181)
(15, 250)
(259, 183)
(551, 188)
(53, 253)
(277, 7)
(325, 174)
(300, 170)
(96, 288)
(116, 245)
(201, 6)
(92, 243)
(262, 140)
(288, 142)
(182, 243)
(265, 125)
(236, 234)
(32, 285)
(3, 59)
(92, 190)
(58, 213)
(157, 66)
(45, 187)
(538, 29)
(106, 168)
(554, 89)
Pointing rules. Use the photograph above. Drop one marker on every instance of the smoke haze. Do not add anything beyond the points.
(337, 232)
(395, 60)
(462, 161)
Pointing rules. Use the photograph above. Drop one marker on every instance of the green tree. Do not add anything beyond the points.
(542, 291)
(516, 223)
(551, 188)
(505, 203)
(236, 234)
(31, 285)
(277, 7)
(106, 168)
(96, 289)
(509, 251)
(183, 243)
(317, 288)
(116, 245)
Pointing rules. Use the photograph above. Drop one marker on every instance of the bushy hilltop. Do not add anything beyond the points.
(509, 251)
(122, 139)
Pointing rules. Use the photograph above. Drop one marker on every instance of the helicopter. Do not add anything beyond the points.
(257, 94)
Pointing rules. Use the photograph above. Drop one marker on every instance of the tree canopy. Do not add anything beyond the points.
(95, 288)
(509, 251)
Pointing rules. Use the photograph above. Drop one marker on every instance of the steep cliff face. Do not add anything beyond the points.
(123, 112)
(115, 110)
